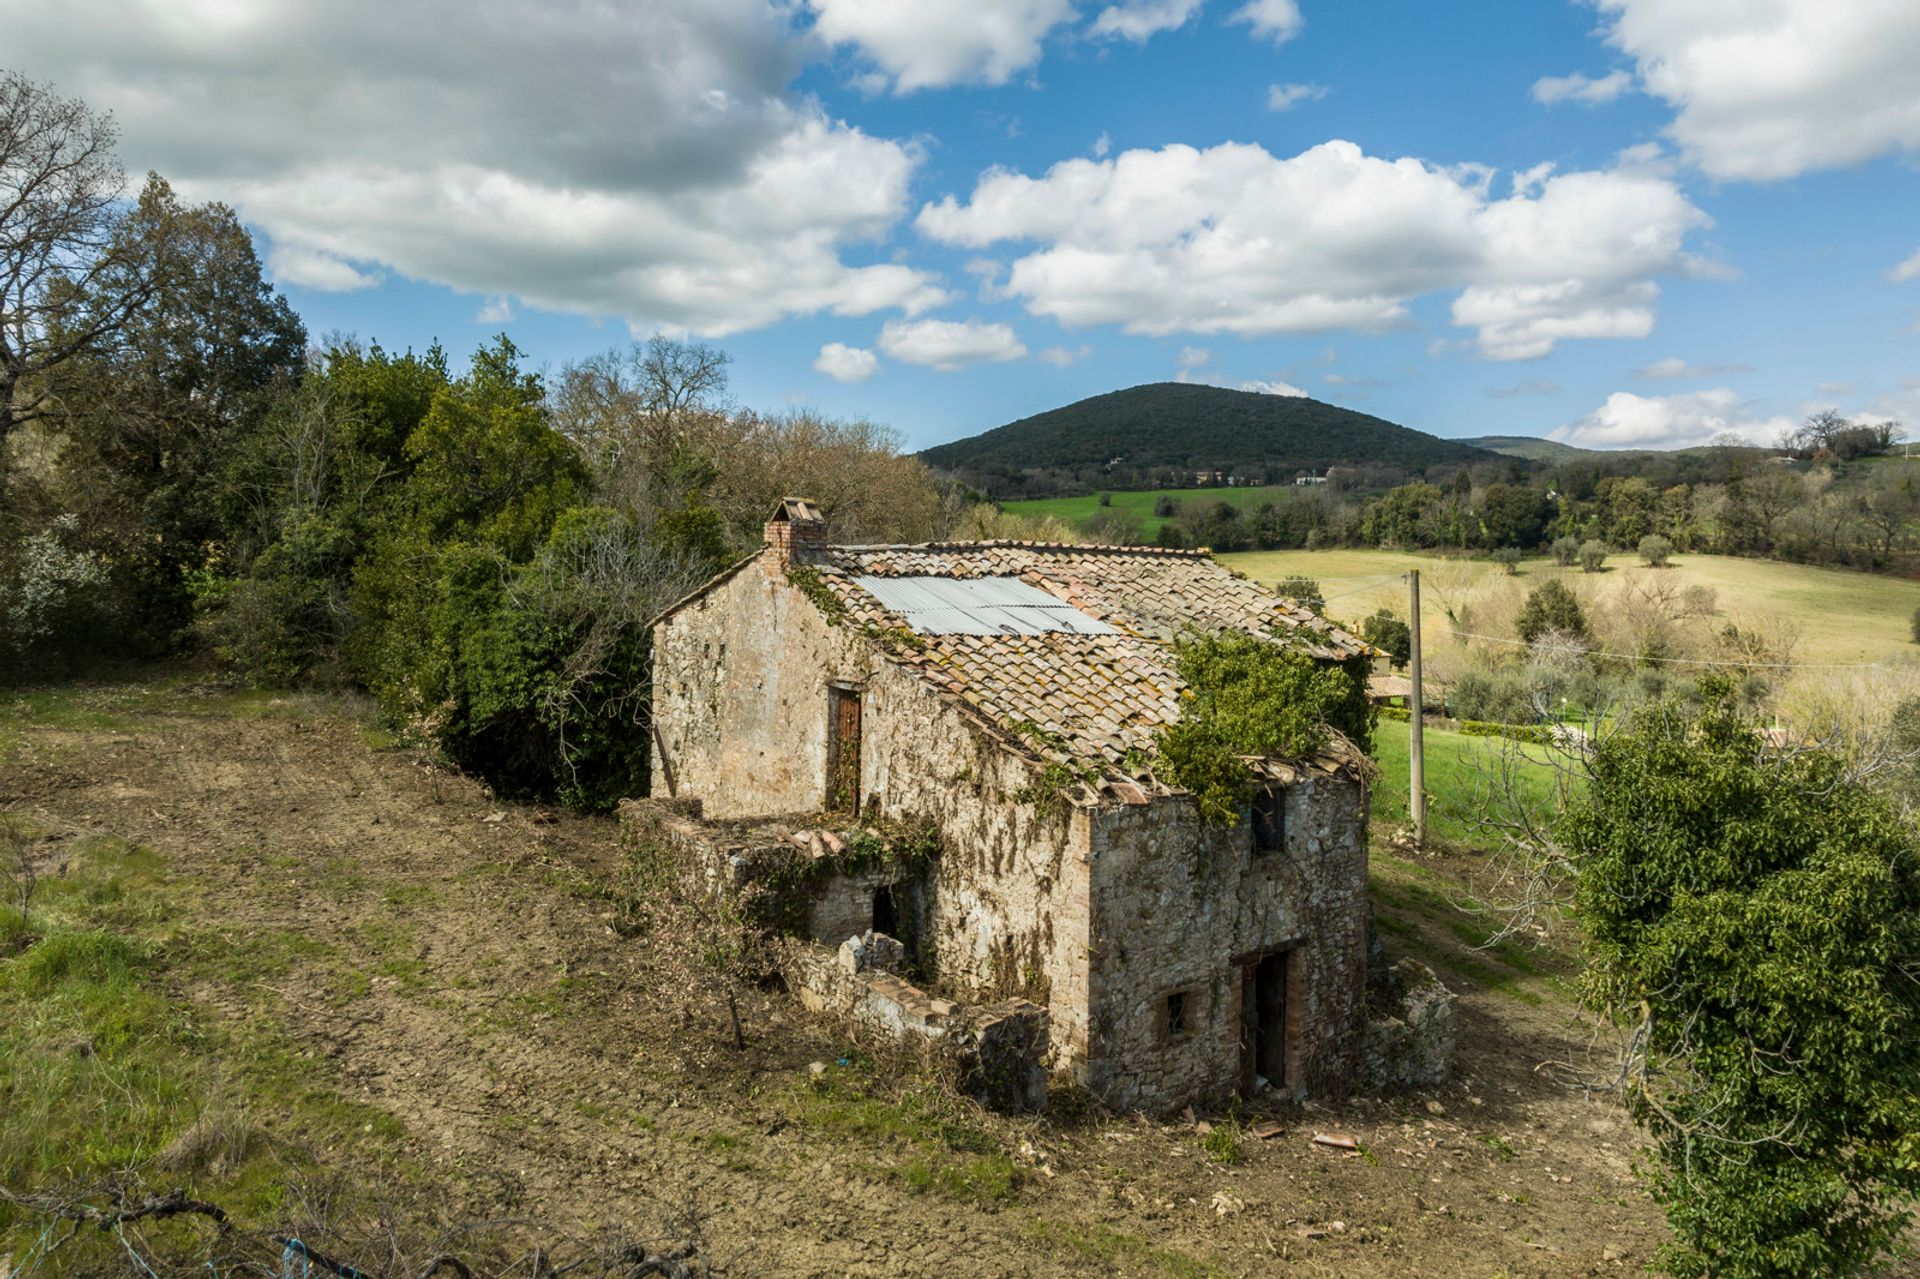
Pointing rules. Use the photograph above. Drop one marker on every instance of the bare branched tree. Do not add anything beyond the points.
(59, 182)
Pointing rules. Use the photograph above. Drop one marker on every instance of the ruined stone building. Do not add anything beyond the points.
(1007, 694)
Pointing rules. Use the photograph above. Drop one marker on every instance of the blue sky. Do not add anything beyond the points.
(947, 214)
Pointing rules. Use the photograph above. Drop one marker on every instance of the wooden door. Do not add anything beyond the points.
(843, 751)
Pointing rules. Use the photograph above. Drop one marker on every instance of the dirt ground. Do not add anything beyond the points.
(443, 956)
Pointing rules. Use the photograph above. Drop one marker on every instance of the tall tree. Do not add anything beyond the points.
(1755, 918)
(156, 404)
(59, 182)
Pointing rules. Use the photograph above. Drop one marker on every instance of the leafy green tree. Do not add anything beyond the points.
(1552, 607)
(1755, 917)
(1513, 515)
(156, 406)
(1390, 635)
(1508, 558)
(1655, 550)
(1565, 551)
(1593, 555)
(486, 465)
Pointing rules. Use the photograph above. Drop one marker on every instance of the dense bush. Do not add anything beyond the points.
(1552, 607)
(1593, 555)
(1246, 697)
(1303, 590)
(1655, 550)
(1752, 918)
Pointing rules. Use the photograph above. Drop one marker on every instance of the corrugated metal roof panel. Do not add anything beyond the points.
(979, 606)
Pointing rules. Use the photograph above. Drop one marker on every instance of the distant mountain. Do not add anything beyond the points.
(1531, 447)
(1185, 427)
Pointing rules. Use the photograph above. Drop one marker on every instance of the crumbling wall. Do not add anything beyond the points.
(1181, 907)
(741, 702)
(1410, 1040)
(998, 1050)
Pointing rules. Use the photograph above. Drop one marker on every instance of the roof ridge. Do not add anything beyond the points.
(1096, 548)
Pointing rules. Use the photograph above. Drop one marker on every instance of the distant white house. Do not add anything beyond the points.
(1301, 481)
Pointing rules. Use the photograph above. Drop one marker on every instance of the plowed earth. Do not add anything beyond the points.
(443, 958)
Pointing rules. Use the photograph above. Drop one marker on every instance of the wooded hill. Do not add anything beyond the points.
(1150, 435)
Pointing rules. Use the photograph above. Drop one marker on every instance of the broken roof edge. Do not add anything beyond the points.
(704, 589)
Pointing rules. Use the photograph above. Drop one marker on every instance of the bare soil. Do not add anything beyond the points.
(444, 955)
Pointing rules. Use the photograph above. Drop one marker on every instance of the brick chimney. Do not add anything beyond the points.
(796, 533)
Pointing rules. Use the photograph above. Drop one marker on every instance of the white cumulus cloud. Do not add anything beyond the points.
(1233, 239)
(1285, 97)
(495, 311)
(1907, 270)
(1588, 91)
(845, 363)
(949, 345)
(1627, 421)
(648, 162)
(1776, 88)
(1275, 20)
(1138, 20)
(1273, 388)
(312, 269)
(928, 44)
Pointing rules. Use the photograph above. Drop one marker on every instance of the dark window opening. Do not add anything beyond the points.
(1270, 821)
(1177, 1020)
(886, 912)
(843, 750)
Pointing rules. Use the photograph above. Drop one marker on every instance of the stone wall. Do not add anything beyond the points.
(1100, 914)
(1182, 908)
(741, 702)
(999, 1050)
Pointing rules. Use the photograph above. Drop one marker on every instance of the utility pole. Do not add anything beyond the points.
(1417, 781)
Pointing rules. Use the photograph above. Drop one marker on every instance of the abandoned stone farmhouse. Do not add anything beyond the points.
(1006, 695)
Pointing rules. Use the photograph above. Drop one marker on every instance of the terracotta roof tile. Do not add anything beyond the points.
(1085, 700)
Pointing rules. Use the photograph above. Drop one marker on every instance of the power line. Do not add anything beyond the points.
(1691, 661)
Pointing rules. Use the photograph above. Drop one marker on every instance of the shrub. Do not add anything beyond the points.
(1593, 554)
(1565, 551)
(1165, 507)
(1550, 607)
(1245, 697)
(1508, 558)
(1655, 550)
(1389, 634)
(1105, 498)
(53, 597)
(1302, 590)
(1505, 698)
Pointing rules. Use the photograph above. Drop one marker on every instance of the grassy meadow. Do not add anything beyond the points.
(1076, 510)
(1838, 616)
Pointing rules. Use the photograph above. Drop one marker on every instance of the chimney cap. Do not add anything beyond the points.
(797, 510)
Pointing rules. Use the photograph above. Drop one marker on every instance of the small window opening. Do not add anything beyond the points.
(1270, 820)
(886, 912)
(1178, 1022)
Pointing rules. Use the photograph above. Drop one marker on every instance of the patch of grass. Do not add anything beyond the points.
(1459, 770)
(944, 1152)
(1120, 1252)
(105, 1072)
(1221, 1143)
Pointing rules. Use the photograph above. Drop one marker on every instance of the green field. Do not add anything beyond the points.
(1074, 510)
(1465, 780)
(1842, 616)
